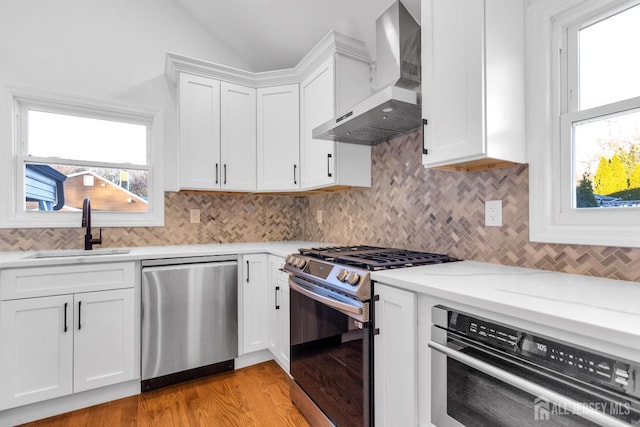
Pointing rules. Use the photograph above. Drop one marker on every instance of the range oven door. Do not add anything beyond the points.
(473, 385)
(330, 353)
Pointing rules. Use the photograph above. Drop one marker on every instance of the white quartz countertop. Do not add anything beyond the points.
(14, 259)
(608, 309)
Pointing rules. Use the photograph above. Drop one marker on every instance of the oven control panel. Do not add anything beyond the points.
(561, 357)
(349, 280)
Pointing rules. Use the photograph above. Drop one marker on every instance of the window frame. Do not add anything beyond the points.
(16, 101)
(551, 113)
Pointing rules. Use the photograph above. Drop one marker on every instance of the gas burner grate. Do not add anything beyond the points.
(376, 258)
(329, 253)
(394, 259)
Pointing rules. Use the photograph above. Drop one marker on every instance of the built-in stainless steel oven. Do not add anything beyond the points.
(484, 373)
(331, 336)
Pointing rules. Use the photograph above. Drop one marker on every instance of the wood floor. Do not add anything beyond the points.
(254, 396)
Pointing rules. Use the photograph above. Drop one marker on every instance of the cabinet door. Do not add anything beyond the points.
(283, 326)
(317, 95)
(278, 138)
(199, 145)
(453, 86)
(395, 372)
(279, 311)
(274, 306)
(255, 299)
(36, 349)
(238, 137)
(104, 338)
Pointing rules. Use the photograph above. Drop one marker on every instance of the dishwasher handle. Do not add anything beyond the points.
(178, 261)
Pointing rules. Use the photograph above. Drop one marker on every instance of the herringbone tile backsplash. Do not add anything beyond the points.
(407, 207)
(225, 218)
(411, 207)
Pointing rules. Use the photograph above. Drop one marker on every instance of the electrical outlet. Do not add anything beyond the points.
(493, 213)
(194, 216)
(319, 217)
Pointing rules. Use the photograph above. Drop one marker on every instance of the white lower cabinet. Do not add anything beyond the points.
(395, 357)
(279, 311)
(103, 338)
(58, 345)
(254, 297)
(36, 354)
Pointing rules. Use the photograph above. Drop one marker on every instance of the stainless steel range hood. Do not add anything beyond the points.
(396, 108)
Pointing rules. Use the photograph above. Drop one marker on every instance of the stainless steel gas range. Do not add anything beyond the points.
(331, 328)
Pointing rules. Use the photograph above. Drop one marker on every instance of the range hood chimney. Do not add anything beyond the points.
(394, 109)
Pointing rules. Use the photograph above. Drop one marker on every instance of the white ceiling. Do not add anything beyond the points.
(277, 34)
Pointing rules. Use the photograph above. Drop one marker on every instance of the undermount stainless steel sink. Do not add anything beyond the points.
(61, 253)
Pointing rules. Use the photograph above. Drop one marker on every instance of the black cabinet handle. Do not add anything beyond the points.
(247, 271)
(225, 174)
(276, 291)
(79, 315)
(375, 298)
(424, 149)
(66, 304)
(329, 156)
(217, 173)
(295, 182)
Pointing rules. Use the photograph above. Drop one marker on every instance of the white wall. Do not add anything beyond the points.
(106, 49)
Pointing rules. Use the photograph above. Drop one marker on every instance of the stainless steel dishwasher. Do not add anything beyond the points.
(189, 318)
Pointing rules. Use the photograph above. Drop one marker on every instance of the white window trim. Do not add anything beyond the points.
(551, 218)
(12, 214)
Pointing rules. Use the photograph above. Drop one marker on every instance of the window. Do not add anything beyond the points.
(67, 149)
(585, 156)
(603, 118)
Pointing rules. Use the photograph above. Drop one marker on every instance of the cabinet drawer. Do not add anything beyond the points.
(43, 281)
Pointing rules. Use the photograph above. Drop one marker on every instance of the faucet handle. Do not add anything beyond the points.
(98, 241)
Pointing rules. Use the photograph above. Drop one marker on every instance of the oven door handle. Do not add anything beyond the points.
(338, 305)
(584, 411)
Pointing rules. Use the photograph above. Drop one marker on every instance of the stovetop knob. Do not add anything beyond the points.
(353, 278)
(300, 262)
(342, 275)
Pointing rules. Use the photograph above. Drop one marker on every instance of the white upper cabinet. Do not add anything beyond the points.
(199, 145)
(244, 131)
(317, 92)
(333, 87)
(238, 137)
(473, 83)
(217, 147)
(278, 136)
